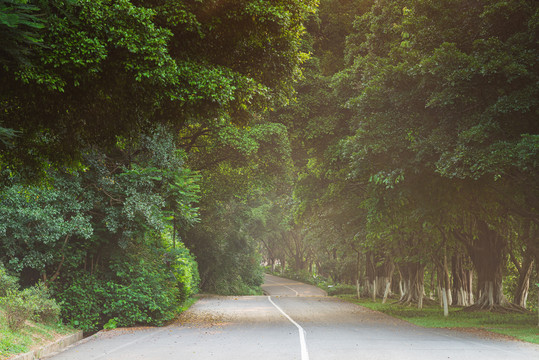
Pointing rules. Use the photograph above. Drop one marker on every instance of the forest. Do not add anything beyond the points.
(153, 149)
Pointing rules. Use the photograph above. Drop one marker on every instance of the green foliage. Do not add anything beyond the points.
(8, 283)
(38, 223)
(227, 257)
(117, 218)
(19, 30)
(81, 301)
(99, 131)
(45, 310)
(32, 303)
(183, 63)
(184, 267)
(140, 294)
(140, 286)
(111, 324)
(415, 121)
(17, 309)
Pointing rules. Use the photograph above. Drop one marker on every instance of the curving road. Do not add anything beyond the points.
(294, 321)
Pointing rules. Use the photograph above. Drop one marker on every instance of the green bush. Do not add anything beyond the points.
(142, 286)
(17, 310)
(7, 282)
(44, 309)
(302, 276)
(32, 303)
(111, 324)
(141, 293)
(339, 289)
(81, 300)
(184, 268)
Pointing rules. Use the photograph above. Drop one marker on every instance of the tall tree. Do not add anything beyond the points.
(447, 92)
(110, 68)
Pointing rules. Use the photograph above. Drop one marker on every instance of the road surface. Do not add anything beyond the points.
(294, 321)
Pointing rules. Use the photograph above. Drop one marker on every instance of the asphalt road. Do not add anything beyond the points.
(295, 321)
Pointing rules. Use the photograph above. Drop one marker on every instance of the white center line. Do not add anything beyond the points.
(303, 344)
(297, 294)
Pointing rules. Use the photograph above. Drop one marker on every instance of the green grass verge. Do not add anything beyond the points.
(520, 326)
(16, 342)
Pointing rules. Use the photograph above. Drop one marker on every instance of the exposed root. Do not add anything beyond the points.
(407, 302)
(500, 309)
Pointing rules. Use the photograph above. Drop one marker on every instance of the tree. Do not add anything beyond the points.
(107, 229)
(107, 69)
(239, 166)
(444, 94)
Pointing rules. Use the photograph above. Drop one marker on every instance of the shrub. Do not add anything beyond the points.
(111, 324)
(184, 268)
(17, 309)
(7, 282)
(32, 303)
(44, 309)
(340, 289)
(141, 292)
(141, 286)
(81, 300)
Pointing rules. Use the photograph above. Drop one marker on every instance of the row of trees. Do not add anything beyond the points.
(415, 142)
(132, 131)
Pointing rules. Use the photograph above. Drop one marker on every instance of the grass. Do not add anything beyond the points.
(32, 334)
(520, 326)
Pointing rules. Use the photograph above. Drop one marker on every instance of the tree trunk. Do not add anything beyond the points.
(386, 292)
(489, 272)
(487, 252)
(379, 271)
(413, 281)
(462, 287)
(523, 285)
(402, 285)
(358, 276)
(370, 275)
(445, 302)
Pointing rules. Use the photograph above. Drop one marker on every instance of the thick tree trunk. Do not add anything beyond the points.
(444, 288)
(370, 276)
(379, 271)
(487, 252)
(462, 282)
(413, 284)
(523, 285)
(489, 271)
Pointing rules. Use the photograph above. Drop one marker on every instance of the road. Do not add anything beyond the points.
(295, 321)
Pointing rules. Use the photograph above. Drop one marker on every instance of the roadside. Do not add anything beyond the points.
(33, 336)
(291, 323)
(44, 339)
(486, 324)
(521, 327)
